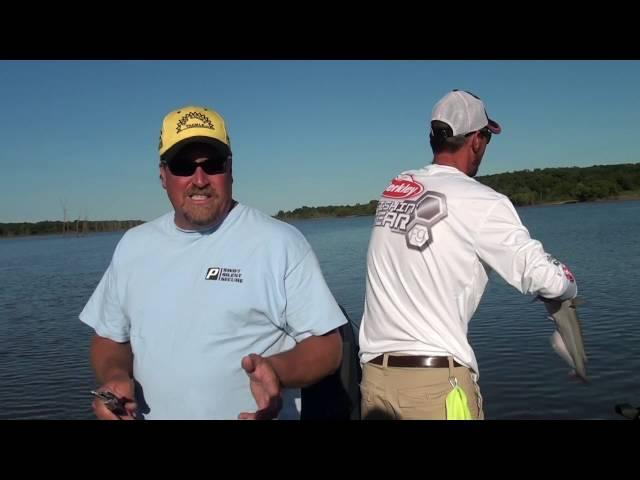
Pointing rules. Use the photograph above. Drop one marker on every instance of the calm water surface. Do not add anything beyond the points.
(45, 282)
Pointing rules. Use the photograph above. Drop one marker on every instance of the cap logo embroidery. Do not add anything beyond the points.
(194, 120)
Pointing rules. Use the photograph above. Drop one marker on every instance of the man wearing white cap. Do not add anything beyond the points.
(437, 234)
(213, 310)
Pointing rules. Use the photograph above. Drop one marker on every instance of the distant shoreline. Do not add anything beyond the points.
(525, 188)
(56, 234)
(131, 223)
(618, 198)
(70, 228)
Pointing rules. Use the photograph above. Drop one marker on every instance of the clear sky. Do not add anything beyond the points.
(85, 133)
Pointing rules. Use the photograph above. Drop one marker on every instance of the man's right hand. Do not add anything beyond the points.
(123, 389)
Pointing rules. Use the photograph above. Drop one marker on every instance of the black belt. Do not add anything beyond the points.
(418, 361)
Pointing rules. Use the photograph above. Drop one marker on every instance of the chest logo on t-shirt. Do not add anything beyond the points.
(224, 274)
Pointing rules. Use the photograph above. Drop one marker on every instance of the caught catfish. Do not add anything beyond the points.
(567, 339)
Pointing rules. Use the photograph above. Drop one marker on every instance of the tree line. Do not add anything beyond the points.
(78, 227)
(330, 211)
(556, 185)
(524, 187)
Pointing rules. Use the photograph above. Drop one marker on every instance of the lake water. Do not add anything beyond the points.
(45, 282)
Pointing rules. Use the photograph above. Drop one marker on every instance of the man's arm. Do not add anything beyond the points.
(111, 360)
(504, 244)
(112, 363)
(312, 317)
(308, 362)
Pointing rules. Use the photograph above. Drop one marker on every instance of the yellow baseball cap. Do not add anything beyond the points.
(192, 124)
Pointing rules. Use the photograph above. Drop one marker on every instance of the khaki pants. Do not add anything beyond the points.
(398, 393)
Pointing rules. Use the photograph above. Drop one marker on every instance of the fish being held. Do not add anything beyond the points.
(627, 411)
(567, 338)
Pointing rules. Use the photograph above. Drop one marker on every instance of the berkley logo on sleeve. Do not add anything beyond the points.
(400, 189)
(568, 274)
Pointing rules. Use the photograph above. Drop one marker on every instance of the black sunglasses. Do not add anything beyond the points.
(186, 168)
(486, 133)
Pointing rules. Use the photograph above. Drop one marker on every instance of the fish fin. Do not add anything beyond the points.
(577, 301)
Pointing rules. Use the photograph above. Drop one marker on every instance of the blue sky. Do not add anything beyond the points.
(85, 133)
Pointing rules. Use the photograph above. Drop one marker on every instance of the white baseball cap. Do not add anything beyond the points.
(464, 113)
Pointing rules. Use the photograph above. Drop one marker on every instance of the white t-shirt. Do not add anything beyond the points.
(192, 304)
(437, 234)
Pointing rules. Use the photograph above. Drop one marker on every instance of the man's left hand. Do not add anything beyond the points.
(265, 388)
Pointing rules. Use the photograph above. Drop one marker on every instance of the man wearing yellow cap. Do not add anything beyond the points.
(214, 310)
